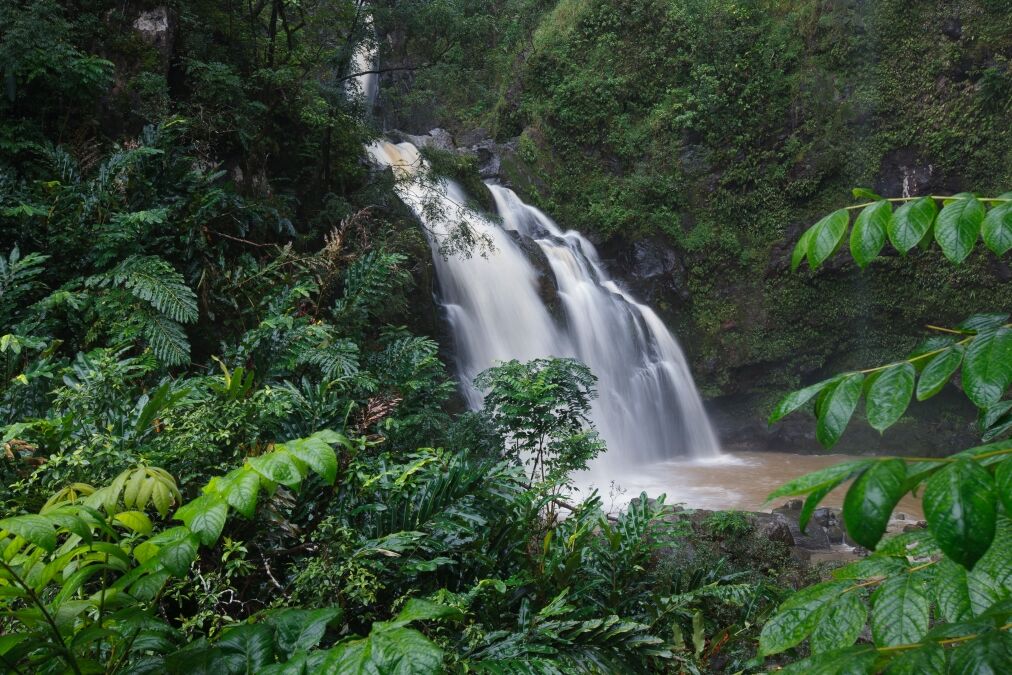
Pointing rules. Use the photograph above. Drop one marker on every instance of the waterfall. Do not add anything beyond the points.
(648, 407)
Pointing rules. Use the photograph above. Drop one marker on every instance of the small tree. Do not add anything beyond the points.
(540, 410)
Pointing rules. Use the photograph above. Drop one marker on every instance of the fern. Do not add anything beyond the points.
(154, 281)
(17, 278)
(167, 339)
(370, 283)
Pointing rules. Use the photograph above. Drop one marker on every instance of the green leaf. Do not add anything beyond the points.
(865, 193)
(317, 455)
(841, 625)
(959, 503)
(890, 395)
(952, 594)
(869, 233)
(277, 466)
(958, 227)
(796, 399)
(834, 475)
(390, 651)
(979, 323)
(938, 371)
(928, 659)
(858, 660)
(251, 647)
(987, 368)
(812, 503)
(423, 610)
(300, 629)
(177, 556)
(205, 516)
(1003, 483)
(990, 654)
(911, 223)
(871, 500)
(797, 617)
(240, 488)
(32, 528)
(826, 237)
(997, 228)
(137, 521)
(900, 610)
(840, 403)
(801, 249)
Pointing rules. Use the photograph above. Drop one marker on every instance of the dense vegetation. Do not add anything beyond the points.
(230, 445)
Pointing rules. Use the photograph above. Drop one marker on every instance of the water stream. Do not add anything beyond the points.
(648, 409)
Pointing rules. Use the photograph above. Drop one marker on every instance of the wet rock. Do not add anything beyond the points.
(835, 534)
(441, 139)
(777, 529)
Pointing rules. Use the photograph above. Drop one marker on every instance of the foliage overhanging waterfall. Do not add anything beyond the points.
(649, 408)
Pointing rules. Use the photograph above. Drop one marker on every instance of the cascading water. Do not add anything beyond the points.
(648, 409)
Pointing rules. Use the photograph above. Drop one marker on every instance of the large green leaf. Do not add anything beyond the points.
(831, 475)
(869, 233)
(796, 399)
(250, 647)
(951, 591)
(841, 624)
(826, 237)
(177, 556)
(317, 455)
(300, 629)
(240, 488)
(928, 659)
(958, 227)
(797, 617)
(801, 248)
(989, 654)
(277, 466)
(987, 368)
(871, 500)
(205, 516)
(387, 651)
(938, 371)
(858, 660)
(959, 503)
(900, 610)
(34, 529)
(890, 395)
(840, 403)
(911, 223)
(997, 228)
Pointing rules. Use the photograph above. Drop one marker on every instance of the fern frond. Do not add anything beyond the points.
(335, 360)
(370, 283)
(167, 339)
(17, 278)
(154, 281)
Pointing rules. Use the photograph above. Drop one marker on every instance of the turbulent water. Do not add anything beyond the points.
(648, 409)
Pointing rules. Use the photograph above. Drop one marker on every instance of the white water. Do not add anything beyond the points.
(363, 60)
(649, 408)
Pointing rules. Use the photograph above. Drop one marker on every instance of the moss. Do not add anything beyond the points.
(464, 170)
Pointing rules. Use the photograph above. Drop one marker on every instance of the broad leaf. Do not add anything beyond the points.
(177, 556)
(911, 223)
(841, 624)
(797, 617)
(801, 249)
(241, 488)
(928, 659)
(865, 193)
(277, 466)
(869, 233)
(890, 395)
(978, 323)
(390, 651)
(959, 503)
(871, 500)
(990, 654)
(300, 629)
(826, 237)
(997, 228)
(32, 528)
(858, 660)
(831, 475)
(938, 371)
(250, 646)
(958, 227)
(796, 399)
(987, 368)
(317, 455)
(1003, 483)
(205, 516)
(900, 610)
(840, 403)
(951, 591)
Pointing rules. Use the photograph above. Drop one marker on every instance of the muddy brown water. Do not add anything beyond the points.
(735, 481)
